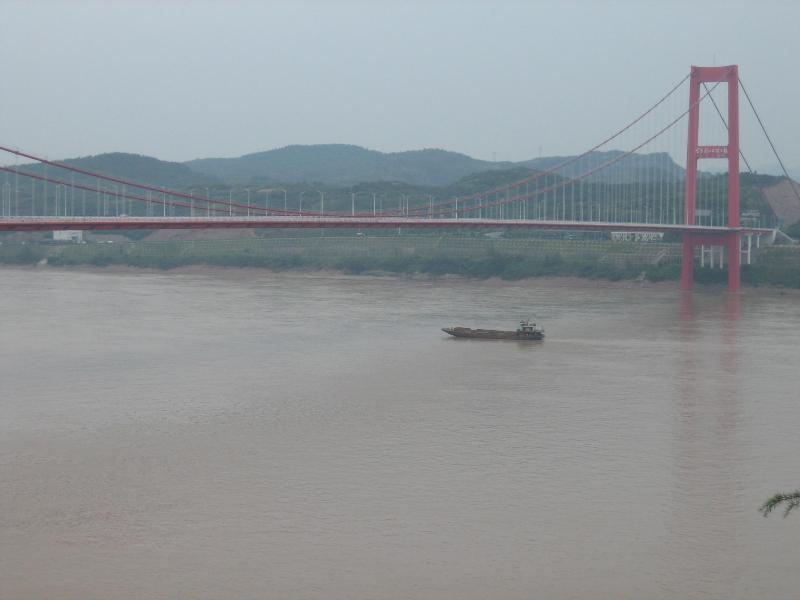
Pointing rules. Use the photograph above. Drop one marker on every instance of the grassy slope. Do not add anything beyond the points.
(471, 257)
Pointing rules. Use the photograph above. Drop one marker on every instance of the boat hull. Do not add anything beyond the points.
(492, 334)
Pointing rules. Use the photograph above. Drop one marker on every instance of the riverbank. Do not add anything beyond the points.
(242, 274)
(507, 259)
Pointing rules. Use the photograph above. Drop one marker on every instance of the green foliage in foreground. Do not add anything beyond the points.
(788, 501)
(777, 266)
(504, 266)
(21, 255)
(490, 264)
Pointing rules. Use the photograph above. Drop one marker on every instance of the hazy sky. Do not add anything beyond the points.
(180, 80)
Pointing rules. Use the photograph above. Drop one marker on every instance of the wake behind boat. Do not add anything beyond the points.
(525, 331)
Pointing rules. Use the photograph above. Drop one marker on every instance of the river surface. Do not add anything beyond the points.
(248, 435)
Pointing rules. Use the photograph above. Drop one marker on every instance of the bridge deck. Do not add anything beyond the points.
(346, 222)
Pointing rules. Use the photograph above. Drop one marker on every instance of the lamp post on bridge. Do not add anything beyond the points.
(191, 202)
(321, 199)
(400, 208)
(6, 194)
(115, 195)
(284, 196)
(266, 192)
(353, 201)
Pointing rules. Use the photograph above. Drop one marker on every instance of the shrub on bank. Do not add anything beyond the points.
(21, 255)
(775, 266)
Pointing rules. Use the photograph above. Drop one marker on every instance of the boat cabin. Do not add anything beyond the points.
(526, 327)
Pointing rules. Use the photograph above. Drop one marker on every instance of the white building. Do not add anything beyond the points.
(68, 235)
(637, 236)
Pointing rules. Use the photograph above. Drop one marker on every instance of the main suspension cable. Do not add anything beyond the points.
(566, 181)
(771, 145)
(571, 160)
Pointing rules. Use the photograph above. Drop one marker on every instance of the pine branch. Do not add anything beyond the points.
(790, 501)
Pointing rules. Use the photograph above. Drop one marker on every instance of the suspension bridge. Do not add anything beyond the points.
(653, 185)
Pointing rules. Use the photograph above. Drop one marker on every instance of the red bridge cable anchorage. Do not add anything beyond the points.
(567, 162)
(600, 167)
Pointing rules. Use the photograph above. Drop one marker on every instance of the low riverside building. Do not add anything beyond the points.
(68, 235)
(636, 236)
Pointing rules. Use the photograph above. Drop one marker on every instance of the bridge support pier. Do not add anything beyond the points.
(687, 263)
(730, 241)
(734, 262)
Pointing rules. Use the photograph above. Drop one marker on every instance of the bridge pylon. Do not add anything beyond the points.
(699, 75)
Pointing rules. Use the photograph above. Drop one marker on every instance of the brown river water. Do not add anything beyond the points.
(243, 434)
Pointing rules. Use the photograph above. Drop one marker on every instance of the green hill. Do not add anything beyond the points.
(134, 167)
(347, 165)
(342, 164)
(636, 167)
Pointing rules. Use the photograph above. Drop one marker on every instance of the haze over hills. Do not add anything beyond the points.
(339, 165)
(135, 167)
(344, 164)
(636, 167)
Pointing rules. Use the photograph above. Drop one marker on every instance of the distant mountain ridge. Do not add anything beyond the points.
(134, 167)
(341, 165)
(636, 167)
(344, 164)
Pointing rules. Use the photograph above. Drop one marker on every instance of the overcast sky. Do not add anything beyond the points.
(181, 80)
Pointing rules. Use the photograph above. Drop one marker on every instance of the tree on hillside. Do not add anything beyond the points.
(793, 230)
(788, 501)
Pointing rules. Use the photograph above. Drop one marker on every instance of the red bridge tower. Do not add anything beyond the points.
(699, 75)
